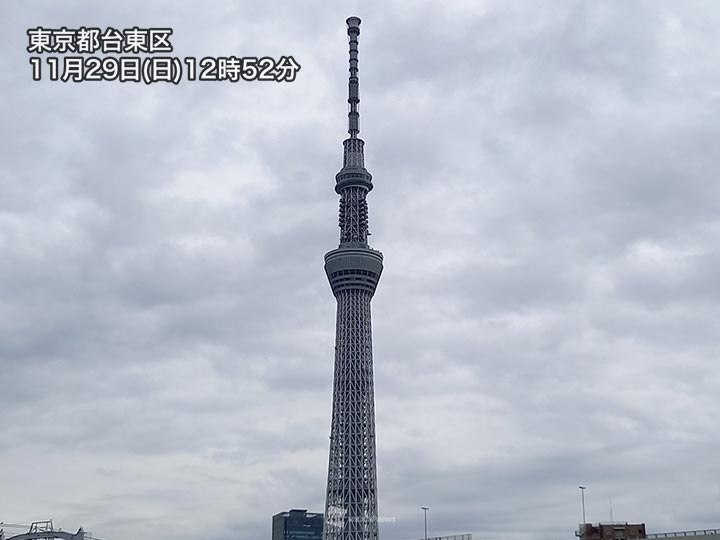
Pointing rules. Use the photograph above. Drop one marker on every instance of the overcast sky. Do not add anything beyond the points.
(546, 198)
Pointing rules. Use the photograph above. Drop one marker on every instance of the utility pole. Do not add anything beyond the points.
(425, 509)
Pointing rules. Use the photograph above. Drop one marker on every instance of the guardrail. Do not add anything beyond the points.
(699, 532)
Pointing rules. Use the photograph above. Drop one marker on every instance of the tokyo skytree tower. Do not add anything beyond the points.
(353, 270)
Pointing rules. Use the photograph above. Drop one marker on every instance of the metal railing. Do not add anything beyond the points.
(699, 532)
(452, 537)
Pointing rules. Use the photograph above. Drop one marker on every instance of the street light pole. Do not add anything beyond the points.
(582, 495)
(425, 509)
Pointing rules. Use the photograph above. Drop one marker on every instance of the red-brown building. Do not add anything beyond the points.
(612, 531)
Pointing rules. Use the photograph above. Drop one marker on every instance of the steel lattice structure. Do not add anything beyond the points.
(353, 270)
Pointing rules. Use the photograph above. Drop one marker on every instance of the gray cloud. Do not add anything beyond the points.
(546, 202)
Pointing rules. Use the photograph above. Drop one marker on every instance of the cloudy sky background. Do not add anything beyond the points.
(547, 203)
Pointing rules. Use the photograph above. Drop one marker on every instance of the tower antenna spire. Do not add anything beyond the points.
(353, 30)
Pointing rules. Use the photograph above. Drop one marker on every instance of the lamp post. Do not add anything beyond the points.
(425, 509)
(582, 496)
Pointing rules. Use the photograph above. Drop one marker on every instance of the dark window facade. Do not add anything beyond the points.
(297, 525)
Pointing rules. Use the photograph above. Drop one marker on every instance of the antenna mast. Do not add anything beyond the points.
(353, 26)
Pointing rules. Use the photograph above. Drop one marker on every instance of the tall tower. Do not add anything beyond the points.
(353, 270)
